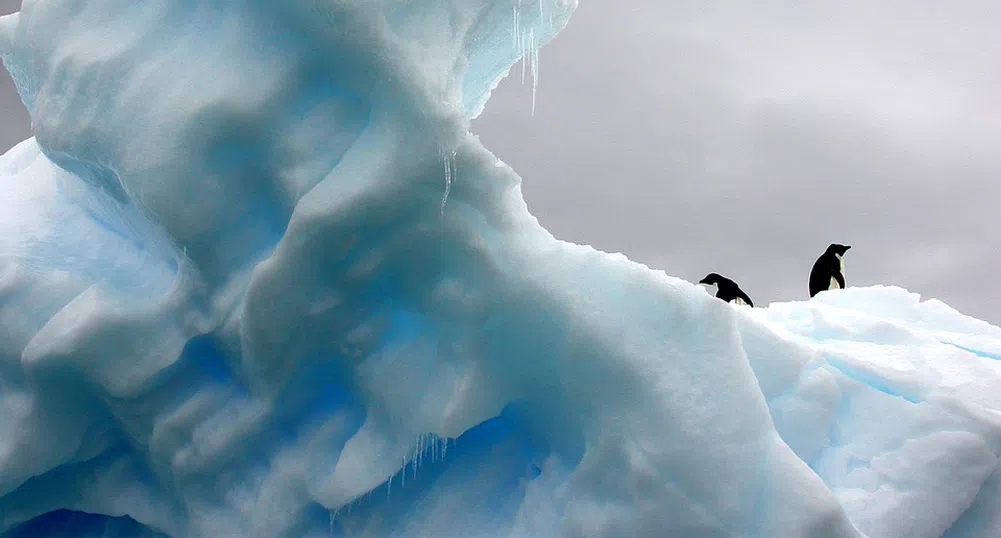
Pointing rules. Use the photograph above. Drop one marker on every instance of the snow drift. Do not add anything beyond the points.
(257, 279)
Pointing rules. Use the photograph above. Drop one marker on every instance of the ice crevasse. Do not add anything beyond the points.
(257, 279)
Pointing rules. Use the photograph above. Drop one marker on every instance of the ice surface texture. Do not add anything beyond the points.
(258, 280)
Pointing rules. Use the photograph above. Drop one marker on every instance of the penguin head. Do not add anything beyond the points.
(840, 250)
(712, 279)
(711, 283)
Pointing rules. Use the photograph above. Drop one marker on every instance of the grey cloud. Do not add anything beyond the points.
(9, 6)
(14, 126)
(14, 119)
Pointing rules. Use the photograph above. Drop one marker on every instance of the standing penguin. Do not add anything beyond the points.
(829, 270)
(727, 289)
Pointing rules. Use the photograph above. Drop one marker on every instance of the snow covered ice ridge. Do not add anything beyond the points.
(235, 301)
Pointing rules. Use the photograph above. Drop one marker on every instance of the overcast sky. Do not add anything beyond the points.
(743, 137)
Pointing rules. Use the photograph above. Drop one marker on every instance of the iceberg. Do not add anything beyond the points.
(258, 279)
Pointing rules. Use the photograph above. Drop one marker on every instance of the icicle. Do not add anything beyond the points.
(517, 28)
(448, 157)
(535, 67)
(412, 462)
(420, 451)
(524, 60)
(389, 486)
(333, 516)
(519, 39)
(448, 182)
(417, 454)
(403, 475)
(515, 32)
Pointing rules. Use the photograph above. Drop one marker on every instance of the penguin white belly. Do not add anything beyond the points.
(834, 282)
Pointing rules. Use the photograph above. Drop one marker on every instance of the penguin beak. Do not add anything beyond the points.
(847, 247)
(704, 281)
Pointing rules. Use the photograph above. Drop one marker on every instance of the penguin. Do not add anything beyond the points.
(726, 289)
(829, 270)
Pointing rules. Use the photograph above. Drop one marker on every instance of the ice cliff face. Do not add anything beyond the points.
(257, 279)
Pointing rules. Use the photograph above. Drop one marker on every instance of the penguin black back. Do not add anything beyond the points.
(828, 271)
(726, 289)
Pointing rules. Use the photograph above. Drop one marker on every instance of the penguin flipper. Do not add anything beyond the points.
(745, 298)
(840, 278)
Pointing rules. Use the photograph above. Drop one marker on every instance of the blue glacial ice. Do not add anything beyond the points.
(257, 279)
